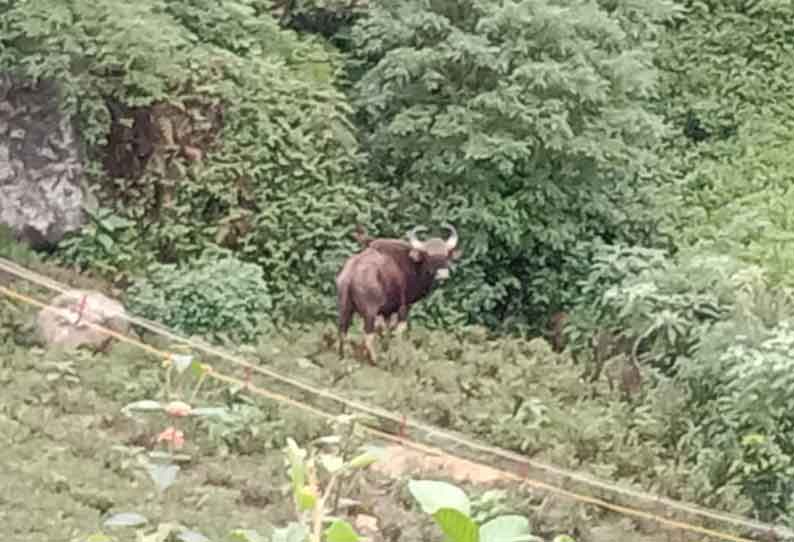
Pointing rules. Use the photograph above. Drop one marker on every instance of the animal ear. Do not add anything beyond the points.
(416, 255)
(455, 253)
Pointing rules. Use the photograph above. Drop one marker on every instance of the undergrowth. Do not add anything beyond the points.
(86, 433)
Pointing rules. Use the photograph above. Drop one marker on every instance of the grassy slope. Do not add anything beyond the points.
(64, 439)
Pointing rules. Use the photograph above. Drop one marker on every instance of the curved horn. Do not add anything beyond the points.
(416, 243)
(452, 242)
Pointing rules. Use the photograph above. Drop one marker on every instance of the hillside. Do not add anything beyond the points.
(618, 301)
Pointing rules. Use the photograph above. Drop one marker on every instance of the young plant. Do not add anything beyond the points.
(451, 509)
(162, 465)
(311, 502)
(314, 505)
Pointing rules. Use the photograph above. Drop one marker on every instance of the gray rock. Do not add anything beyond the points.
(65, 323)
(41, 198)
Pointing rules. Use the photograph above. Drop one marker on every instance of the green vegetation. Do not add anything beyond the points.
(213, 294)
(626, 162)
(255, 150)
(112, 434)
(526, 124)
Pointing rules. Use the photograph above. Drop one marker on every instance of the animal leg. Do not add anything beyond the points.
(402, 320)
(380, 324)
(369, 344)
(369, 337)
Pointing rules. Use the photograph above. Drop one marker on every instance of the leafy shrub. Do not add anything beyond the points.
(525, 124)
(250, 145)
(723, 335)
(450, 507)
(722, 65)
(738, 398)
(108, 244)
(665, 303)
(737, 200)
(213, 294)
(13, 250)
(744, 434)
(245, 427)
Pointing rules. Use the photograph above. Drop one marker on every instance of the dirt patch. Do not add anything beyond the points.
(400, 462)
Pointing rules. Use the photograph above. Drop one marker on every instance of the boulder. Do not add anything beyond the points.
(65, 322)
(41, 198)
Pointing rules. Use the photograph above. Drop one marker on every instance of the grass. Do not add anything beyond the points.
(70, 456)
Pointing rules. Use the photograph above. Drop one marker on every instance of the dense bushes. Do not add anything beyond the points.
(210, 295)
(522, 123)
(724, 66)
(534, 127)
(535, 158)
(252, 148)
(721, 335)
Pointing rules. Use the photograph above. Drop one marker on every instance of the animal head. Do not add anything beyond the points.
(434, 254)
(361, 236)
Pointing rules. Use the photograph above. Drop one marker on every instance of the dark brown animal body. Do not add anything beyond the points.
(619, 350)
(389, 276)
(556, 329)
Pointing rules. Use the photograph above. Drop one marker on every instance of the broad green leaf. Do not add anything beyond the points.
(196, 368)
(162, 475)
(329, 439)
(306, 498)
(433, 495)
(181, 362)
(378, 452)
(506, 529)
(294, 532)
(297, 470)
(248, 535)
(341, 531)
(754, 439)
(98, 537)
(187, 535)
(125, 519)
(164, 532)
(146, 405)
(106, 241)
(457, 526)
(363, 461)
(332, 463)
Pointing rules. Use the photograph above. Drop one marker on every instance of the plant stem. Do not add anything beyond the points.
(198, 385)
(167, 387)
(348, 444)
(318, 514)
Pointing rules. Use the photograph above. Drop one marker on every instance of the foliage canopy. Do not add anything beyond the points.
(272, 167)
(525, 123)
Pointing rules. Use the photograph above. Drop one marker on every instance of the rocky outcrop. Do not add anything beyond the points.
(40, 168)
(66, 322)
